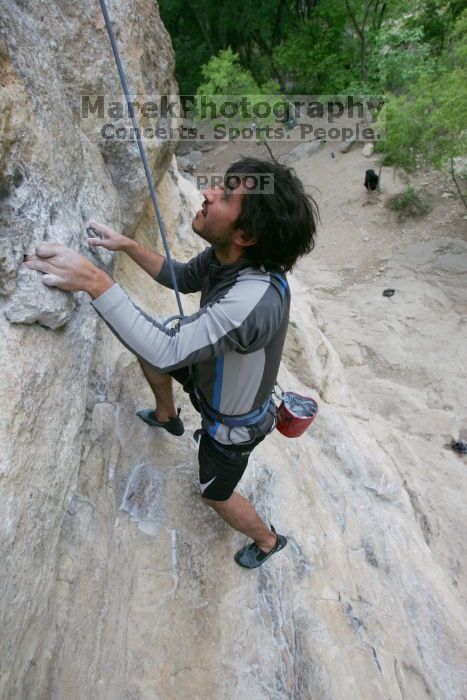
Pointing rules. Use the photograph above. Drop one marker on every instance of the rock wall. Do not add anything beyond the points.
(53, 177)
(117, 581)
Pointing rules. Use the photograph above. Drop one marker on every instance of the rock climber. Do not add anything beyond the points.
(226, 355)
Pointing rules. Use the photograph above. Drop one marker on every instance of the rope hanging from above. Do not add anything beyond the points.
(142, 152)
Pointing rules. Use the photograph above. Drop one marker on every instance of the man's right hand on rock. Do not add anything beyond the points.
(105, 236)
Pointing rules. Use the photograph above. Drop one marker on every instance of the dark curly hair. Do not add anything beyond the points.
(283, 221)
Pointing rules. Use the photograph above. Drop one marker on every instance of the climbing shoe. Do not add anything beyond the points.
(251, 556)
(174, 425)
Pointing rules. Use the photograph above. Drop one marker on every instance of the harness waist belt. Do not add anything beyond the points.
(245, 419)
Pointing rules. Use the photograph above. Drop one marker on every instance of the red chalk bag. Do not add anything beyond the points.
(295, 414)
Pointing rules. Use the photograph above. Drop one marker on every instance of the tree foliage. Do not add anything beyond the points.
(427, 122)
(201, 29)
(413, 51)
(224, 75)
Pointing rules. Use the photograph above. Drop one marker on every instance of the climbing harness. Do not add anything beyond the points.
(142, 153)
(239, 421)
(245, 419)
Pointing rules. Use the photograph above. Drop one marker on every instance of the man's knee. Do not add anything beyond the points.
(154, 373)
(209, 502)
(219, 504)
(147, 366)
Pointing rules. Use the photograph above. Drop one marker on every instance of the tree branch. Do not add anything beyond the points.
(457, 184)
(204, 29)
(353, 19)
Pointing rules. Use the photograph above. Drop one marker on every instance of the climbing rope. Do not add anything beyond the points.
(142, 153)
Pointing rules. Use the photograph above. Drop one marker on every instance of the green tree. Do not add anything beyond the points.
(320, 57)
(399, 57)
(366, 17)
(252, 28)
(224, 76)
(426, 124)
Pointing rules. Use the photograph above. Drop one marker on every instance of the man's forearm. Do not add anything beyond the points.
(148, 259)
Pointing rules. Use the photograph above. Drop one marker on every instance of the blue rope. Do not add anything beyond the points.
(142, 152)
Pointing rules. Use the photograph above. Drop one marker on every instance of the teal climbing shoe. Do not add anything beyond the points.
(174, 425)
(251, 556)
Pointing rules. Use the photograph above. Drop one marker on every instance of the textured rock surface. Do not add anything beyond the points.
(117, 582)
(52, 178)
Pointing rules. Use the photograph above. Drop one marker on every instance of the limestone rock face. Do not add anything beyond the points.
(117, 582)
(53, 177)
(54, 174)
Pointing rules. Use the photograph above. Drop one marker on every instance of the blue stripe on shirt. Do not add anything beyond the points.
(217, 389)
(282, 281)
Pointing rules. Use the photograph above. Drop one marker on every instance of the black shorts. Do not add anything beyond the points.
(220, 466)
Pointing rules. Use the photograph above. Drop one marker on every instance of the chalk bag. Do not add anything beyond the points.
(295, 414)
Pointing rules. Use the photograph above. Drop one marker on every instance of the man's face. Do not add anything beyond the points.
(221, 208)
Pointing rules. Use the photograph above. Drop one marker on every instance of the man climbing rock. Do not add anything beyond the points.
(226, 355)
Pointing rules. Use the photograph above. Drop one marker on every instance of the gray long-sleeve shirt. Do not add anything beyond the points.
(234, 341)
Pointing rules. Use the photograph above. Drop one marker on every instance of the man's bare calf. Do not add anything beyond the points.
(162, 388)
(240, 514)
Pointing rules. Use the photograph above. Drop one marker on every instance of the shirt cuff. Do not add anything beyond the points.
(110, 298)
